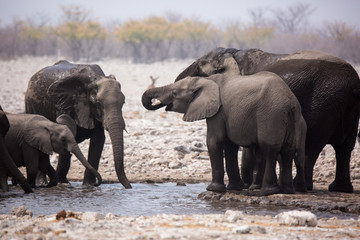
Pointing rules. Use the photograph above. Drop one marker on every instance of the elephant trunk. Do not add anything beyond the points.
(77, 152)
(150, 95)
(115, 127)
(190, 71)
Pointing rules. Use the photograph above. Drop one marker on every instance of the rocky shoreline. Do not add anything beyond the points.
(160, 147)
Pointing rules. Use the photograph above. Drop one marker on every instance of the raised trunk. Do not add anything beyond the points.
(191, 70)
(77, 152)
(115, 126)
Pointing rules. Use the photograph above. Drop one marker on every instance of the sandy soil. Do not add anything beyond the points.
(160, 147)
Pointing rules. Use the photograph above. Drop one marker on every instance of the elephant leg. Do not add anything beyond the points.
(269, 184)
(45, 167)
(31, 160)
(3, 180)
(342, 182)
(247, 166)
(285, 179)
(215, 144)
(63, 167)
(96, 146)
(232, 166)
(258, 169)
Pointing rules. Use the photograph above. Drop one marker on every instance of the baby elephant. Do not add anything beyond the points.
(32, 138)
(257, 111)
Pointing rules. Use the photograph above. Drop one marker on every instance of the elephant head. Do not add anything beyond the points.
(219, 60)
(50, 137)
(91, 98)
(196, 97)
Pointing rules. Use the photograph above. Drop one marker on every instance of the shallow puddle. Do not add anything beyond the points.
(142, 199)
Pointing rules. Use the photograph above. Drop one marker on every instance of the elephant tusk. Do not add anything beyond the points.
(155, 102)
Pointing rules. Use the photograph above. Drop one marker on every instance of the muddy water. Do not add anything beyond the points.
(143, 199)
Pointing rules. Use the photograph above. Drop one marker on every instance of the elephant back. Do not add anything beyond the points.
(37, 98)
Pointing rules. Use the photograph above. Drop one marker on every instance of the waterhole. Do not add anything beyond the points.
(143, 199)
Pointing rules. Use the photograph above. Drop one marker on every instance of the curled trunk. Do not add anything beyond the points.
(151, 94)
(77, 152)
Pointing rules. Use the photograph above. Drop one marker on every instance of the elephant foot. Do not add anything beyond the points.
(335, 186)
(299, 185)
(235, 187)
(246, 185)
(288, 190)
(265, 191)
(216, 187)
(63, 180)
(255, 186)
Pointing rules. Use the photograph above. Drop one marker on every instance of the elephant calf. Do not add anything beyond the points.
(32, 138)
(257, 111)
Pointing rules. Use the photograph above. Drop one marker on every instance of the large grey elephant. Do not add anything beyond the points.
(7, 164)
(257, 111)
(32, 138)
(94, 102)
(328, 89)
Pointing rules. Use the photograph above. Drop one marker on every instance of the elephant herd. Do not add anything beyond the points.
(277, 107)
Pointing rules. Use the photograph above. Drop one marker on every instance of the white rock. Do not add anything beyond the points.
(232, 216)
(297, 218)
(242, 229)
(92, 216)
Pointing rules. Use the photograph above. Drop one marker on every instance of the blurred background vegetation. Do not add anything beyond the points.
(80, 36)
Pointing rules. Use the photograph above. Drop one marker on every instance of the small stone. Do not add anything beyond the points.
(242, 229)
(61, 215)
(92, 216)
(232, 216)
(297, 218)
(109, 216)
(174, 165)
(19, 211)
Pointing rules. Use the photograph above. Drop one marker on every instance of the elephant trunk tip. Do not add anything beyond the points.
(125, 183)
(99, 180)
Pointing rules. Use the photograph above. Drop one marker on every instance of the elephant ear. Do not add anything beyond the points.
(37, 134)
(71, 96)
(206, 102)
(65, 119)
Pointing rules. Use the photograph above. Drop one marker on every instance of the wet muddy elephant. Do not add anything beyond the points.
(32, 138)
(327, 88)
(94, 102)
(257, 111)
(7, 164)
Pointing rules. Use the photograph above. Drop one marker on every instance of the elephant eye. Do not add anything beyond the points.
(174, 93)
(63, 139)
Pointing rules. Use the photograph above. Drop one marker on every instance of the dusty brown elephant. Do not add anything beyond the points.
(94, 102)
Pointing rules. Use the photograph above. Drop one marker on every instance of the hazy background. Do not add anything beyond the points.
(215, 11)
(144, 31)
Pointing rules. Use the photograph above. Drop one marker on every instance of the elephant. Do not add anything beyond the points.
(7, 164)
(257, 111)
(32, 138)
(94, 103)
(327, 87)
